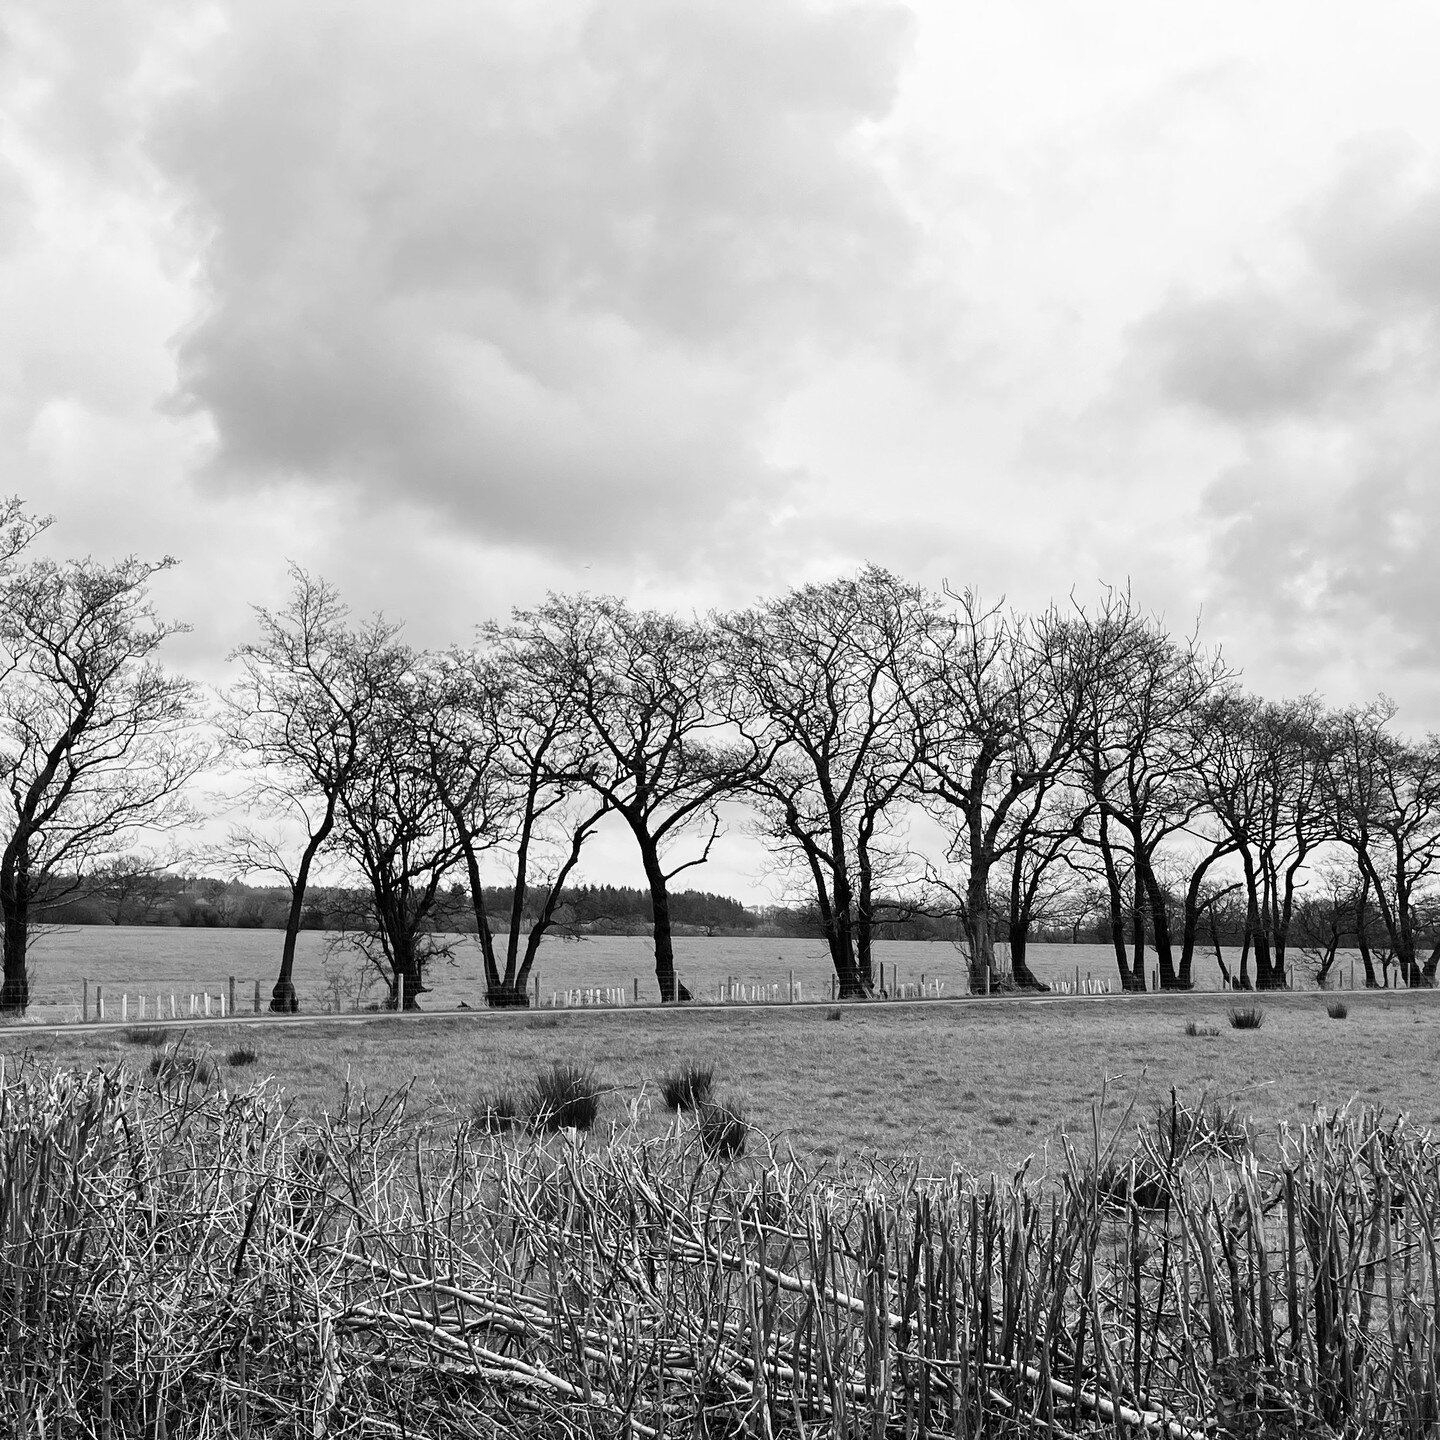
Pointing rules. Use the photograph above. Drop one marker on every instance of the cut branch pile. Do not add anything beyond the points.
(179, 1263)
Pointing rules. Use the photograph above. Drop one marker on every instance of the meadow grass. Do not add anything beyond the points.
(984, 1085)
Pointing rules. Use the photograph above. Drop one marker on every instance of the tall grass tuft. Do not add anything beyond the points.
(144, 1034)
(565, 1097)
(175, 1065)
(1196, 1031)
(687, 1088)
(723, 1128)
(1247, 1017)
(241, 1055)
(1184, 1131)
(1336, 1009)
(498, 1111)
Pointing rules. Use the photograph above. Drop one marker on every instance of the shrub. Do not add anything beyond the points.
(499, 1111)
(1193, 1030)
(242, 1055)
(722, 1127)
(172, 1066)
(1247, 1017)
(687, 1088)
(1337, 1009)
(834, 1014)
(566, 1097)
(1216, 1130)
(144, 1035)
(1119, 1184)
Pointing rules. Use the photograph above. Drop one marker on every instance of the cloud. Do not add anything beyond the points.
(1322, 529)
(543, 272)
(1247, 354)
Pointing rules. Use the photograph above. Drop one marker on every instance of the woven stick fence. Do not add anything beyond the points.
(181, 1263)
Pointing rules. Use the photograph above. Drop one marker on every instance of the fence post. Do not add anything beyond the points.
(231, 1007)
(400, 994)
(85, 1001)
(637, 989)
(792, 987)
(99, 1002)
(257, 997)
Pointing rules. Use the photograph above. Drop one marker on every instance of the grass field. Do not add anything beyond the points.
(153, 960)
(982, 1084)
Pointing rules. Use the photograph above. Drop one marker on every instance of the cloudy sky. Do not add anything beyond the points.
(689, 300)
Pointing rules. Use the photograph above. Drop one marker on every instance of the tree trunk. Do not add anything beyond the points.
(283, 999)
(980, 930)
(1242, 980)
(864, 918)
(660, 916)
(1021, 908)
(15, 910)
(1117, 907)
(15, 992)
(1160, 918)
(1137, 948)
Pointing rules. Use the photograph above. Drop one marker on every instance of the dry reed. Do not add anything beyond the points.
(183, 1262)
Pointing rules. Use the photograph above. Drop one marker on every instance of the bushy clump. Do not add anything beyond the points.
(722, 1127)
(1247, 1017)
(1337, 1009)
(174, 1066)
(833, 1014)
(241, 1055)
(1119, 1184)
(1213, 1129)
(499, 1110)
(144, 1035)
(687, 1088)
(1196, 1031)
(566, 1097)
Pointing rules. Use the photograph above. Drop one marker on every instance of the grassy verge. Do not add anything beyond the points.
(983, 1085)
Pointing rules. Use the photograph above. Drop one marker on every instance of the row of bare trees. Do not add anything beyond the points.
(899, 750)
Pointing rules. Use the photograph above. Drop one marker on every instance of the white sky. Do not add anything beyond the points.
(457, 302)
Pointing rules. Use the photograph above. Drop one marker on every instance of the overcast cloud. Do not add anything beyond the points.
(455, 303)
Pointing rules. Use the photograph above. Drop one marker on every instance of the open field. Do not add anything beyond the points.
(154, 959)
(982, 1083)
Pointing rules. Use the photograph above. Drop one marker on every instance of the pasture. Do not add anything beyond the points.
(158, 960)
(982, 1084)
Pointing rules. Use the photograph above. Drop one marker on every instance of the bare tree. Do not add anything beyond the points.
(1386, 797)
(96, 740)
(399, 834)
(505, 752)
(819, 678)
(308, 690)
(1262, 770)
(651, 742)
(999, 715)
(1136, 764)
(131, 885)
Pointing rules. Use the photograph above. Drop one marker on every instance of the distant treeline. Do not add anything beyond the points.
(132, 896)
